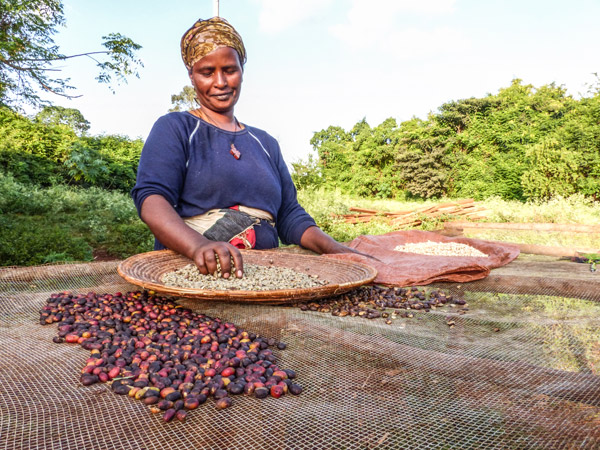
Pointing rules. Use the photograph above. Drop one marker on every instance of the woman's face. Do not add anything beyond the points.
(217, 80)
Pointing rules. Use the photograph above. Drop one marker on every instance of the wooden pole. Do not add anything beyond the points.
(564, 227)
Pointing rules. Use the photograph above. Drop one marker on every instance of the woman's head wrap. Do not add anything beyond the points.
(205, 36)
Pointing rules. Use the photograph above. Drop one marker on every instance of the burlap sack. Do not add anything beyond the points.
(408, 269)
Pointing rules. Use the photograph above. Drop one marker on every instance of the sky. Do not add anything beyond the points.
(319, 63)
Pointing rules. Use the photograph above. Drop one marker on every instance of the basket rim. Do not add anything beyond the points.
(359, 274)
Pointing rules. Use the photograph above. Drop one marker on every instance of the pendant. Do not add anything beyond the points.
(235, 152)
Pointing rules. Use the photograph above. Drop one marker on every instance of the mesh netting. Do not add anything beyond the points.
(516, 371)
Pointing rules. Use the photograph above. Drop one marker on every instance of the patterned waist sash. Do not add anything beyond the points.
(234, 225)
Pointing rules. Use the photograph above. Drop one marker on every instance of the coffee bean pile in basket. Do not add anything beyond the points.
(256, 278)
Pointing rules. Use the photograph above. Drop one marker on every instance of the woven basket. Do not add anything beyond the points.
(146, 270)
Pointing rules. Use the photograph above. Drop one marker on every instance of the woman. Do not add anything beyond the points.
(208, 184)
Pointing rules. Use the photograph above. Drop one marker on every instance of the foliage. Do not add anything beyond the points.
(121, 156)
(420, 160)
(22, 242)
(360, 161)
(47, 153)
(84, 164)
(62, 223)
(28, 53)
(185, 100)
(522, 143)
(553, 170)
(122, 61)
(573, 209)
(307, 174)
(69, 117)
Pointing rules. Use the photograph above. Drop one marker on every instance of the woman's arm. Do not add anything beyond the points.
(173, 233)
(319, 242)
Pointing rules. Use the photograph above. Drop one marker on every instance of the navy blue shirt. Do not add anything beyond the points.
(188, 162)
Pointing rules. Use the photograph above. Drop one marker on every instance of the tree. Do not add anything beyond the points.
(185, 100)
(28, 53)
(420, 158)
(70, 117)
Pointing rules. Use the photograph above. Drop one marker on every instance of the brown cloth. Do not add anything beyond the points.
(409, 269)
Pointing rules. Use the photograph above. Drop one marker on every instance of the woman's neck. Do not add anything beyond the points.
(225, 121)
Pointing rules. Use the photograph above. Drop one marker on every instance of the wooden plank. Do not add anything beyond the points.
(564, 227)
(358, 219)
(547, 250)
(415, 223)
(399, 213)
(400, 220)
(409, 211)
(402, 216)
(458, 205)
(371, 211)
(351, 216)
(450, 232)
(456, 212)
(551, 250)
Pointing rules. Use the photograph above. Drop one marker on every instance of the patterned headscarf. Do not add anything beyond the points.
(206, 36)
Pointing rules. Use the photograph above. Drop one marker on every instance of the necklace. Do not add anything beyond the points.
(232, 150)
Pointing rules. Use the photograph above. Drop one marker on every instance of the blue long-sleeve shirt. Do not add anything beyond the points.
(188, 162)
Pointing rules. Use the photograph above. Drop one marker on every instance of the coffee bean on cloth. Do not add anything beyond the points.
(404, 268)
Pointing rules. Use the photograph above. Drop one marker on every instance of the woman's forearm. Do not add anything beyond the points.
(168, 227)
(319, 242)
(173, 233)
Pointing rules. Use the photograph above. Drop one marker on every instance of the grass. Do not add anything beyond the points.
(61, 223)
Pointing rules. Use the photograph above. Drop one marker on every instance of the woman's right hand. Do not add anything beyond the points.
(171, 230)
(208, 254)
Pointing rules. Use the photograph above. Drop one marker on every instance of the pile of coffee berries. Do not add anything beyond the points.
(167, 356)
(372, 302)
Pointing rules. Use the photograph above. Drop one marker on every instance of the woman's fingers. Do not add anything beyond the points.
(237, 262)
(224, 256)
(200, 261)
(230, 259)
(210, 260)
(207, 257)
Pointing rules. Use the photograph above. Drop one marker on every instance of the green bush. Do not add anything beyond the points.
(63, 223)
(523, 143)
(22, 198)
(47, 153)
(31, 240)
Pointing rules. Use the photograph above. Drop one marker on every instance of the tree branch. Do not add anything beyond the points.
(57, 58)
(53, 91)
(30, 69)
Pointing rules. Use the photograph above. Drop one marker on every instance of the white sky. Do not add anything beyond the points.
(316, 63)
